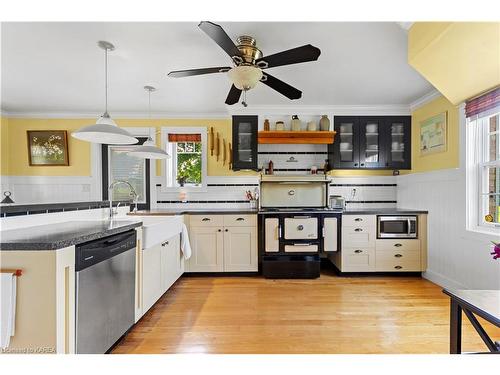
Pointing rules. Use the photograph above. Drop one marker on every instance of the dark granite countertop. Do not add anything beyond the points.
(61, 235)
(384, 211)
(193, 211)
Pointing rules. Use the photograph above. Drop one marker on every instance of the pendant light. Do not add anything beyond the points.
(105, 130)
(148, 149)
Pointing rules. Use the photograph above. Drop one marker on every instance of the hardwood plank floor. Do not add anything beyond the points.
(328, 315)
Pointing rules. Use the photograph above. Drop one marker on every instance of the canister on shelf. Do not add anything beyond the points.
(267, 126)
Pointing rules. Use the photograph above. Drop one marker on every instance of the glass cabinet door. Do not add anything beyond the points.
(398, 145)
(345, 147)
(245, 142)
(370, 151)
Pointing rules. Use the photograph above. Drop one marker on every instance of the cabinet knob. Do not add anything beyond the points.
(398, 255)
(362, 164)
(398, 267)
(358, 230)
(398, 244)
(355, 164)
(358, 251)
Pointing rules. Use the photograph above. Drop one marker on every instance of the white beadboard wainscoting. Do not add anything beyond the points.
(50, 189)
(457, 258)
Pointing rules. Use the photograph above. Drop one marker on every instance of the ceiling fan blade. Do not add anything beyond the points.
(219, 36)
(234, 95)
(283, 88)
(291, 56)
(197, 72)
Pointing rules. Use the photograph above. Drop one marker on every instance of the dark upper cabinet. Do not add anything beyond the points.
(245, 142)
(398, 142)
(371, 142)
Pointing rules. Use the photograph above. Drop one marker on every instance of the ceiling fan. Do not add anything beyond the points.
(249, 64)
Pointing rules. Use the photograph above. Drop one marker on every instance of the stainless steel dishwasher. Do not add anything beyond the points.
(105, 291)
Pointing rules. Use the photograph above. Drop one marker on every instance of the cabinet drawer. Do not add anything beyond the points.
(359, 221)
(358, 259)
(401, 245)
(394, 261)
(298, 248)
(240, 220)
(206, 220)
(358, 237)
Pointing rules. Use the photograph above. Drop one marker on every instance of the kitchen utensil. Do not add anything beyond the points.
(217, 146)
(211, 140)
(224, 152)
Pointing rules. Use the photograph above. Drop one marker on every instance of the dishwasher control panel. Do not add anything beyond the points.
(94, 252)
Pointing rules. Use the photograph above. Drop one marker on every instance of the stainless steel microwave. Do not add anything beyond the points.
(396, 226)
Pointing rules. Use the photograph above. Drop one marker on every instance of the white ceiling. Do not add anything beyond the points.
(57, 67)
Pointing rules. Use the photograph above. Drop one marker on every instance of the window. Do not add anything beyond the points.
(485, 166)
(187, 165)
(118, 165)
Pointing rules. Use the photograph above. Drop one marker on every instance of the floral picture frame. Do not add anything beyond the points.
(48, 148)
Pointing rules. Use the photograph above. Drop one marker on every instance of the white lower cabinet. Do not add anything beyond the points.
(151, 276)
(240, 249)
(207, 245)
(219, 248)
(162, 265)
(362, 252)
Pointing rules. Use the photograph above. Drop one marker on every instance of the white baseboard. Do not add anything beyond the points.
(442, 280)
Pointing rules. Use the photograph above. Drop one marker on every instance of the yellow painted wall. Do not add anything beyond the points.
(460, 59)
(13, 132)
(442, 160)
(4, 144)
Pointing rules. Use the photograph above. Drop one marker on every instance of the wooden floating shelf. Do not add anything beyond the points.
(296, 137)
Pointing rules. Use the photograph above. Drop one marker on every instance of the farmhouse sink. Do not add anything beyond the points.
(156, 230)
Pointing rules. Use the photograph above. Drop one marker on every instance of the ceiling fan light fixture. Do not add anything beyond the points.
(245, 77)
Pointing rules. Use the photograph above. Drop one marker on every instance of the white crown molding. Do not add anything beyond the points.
(423, 100)
(398, 109)
(116, 115)
(335, 110)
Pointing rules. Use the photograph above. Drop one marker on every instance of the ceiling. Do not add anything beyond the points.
(58, 68)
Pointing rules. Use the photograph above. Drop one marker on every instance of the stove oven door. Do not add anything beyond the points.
(301, 228)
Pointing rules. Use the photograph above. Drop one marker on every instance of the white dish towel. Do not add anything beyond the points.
(8, 308)
(185, 244)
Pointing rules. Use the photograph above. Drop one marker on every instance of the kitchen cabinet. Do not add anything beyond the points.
(151, 276)
(240, 249)
(244, 145)
(371, 142)
(330, 230)
(162, 265)
(172, 262)
(362, 251)
(223, 243)
(207, 245)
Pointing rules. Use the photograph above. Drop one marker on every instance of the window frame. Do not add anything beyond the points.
(477, 167)
(105, 174)
(167, 165)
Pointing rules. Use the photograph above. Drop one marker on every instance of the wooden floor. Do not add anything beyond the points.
(327, 315)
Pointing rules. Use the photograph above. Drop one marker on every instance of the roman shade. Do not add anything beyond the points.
(184, 137)
(483, 103)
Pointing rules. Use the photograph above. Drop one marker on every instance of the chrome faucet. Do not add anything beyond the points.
(110, 195)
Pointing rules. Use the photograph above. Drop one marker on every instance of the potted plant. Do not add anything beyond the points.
(181, 180)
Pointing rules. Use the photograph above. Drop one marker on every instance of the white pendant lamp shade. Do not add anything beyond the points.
(245, 77)
(105, 130)
(148, 149)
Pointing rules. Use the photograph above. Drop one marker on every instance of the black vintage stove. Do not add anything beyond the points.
(292, 240)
